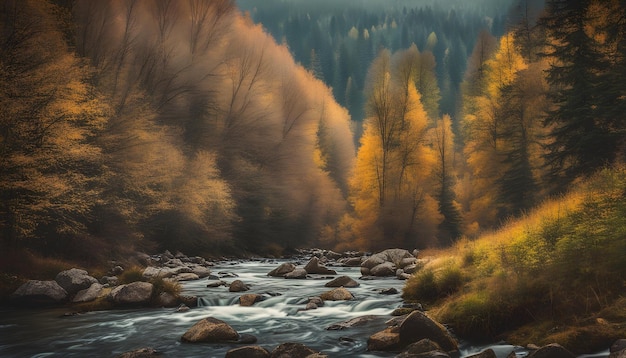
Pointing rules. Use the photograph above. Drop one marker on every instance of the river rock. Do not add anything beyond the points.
(191, 301)
(298, 273)
(248, 352)
(487, 353)
(338, 294)
(109, 280)
(410, 269)
(332, 255)
(351, 261)
(140, 353)
(74, 280)
(157, 272)
(407, 261)
(186, 276)
(283, 269)
(132, 294)
(294, 350)
(372, 261)
(35, 291)
(249, 299)
(388, 291)
(217, 283)
(617, 347)
(386, 340)
(182, 308)
(419, 348)
(318, 301)
(166, 299)
(210, 330)
(618, 354)
(201, 271)
(417, 326)
(553, 350)
(88, 294)
(354, 322)
(391, 258)
(314, 267)
(238, 286)
(401, 275)
(342, 281)
(174, 263)
(384, 269)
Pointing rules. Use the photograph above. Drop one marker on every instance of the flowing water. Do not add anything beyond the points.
(278, 319)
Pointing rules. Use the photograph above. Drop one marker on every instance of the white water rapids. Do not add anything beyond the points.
(278, 319)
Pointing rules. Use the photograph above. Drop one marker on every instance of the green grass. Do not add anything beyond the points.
(557, 266)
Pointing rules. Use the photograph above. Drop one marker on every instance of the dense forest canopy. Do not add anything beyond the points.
(339, 40)
(145, 124)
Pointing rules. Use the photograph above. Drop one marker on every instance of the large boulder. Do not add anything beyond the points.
(417, 326)
(342, 281)
(135, 293)
(338, 294)
(553, 350)
(314, 267)
(35, 291)
(210, 330)
(89, 294)
(248, 352)
(283, 269)
(74, 280)
(294, 350)
(298, 273)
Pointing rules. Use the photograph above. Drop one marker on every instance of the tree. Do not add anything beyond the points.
(450, 228)
(582, 141)
(390, 185)
(50, 168)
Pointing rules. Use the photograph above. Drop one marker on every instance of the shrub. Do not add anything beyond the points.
(163, 285)
(428, 286)
(132, 274)
(421, 287)
(449, 280)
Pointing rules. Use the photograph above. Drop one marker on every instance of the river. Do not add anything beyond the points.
(278, 319)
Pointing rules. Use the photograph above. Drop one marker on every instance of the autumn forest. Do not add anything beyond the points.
(190, 125)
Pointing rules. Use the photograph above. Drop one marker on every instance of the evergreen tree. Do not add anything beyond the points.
(581, 140)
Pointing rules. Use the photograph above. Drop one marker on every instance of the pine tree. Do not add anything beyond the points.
(581, 141)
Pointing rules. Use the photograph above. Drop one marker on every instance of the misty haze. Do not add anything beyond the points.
(458, 165)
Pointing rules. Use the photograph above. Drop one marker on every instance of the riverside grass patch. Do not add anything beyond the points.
(563, 262)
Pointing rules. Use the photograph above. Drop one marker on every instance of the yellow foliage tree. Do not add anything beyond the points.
(391, 181)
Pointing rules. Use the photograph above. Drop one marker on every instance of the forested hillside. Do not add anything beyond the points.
(182, 125)
(338, 41)
(135, 124)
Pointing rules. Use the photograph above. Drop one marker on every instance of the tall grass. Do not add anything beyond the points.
(562, 262)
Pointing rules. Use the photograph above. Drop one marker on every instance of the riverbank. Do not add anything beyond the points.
(554, 275)
(281, 314)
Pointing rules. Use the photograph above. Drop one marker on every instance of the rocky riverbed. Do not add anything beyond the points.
(317, 303)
